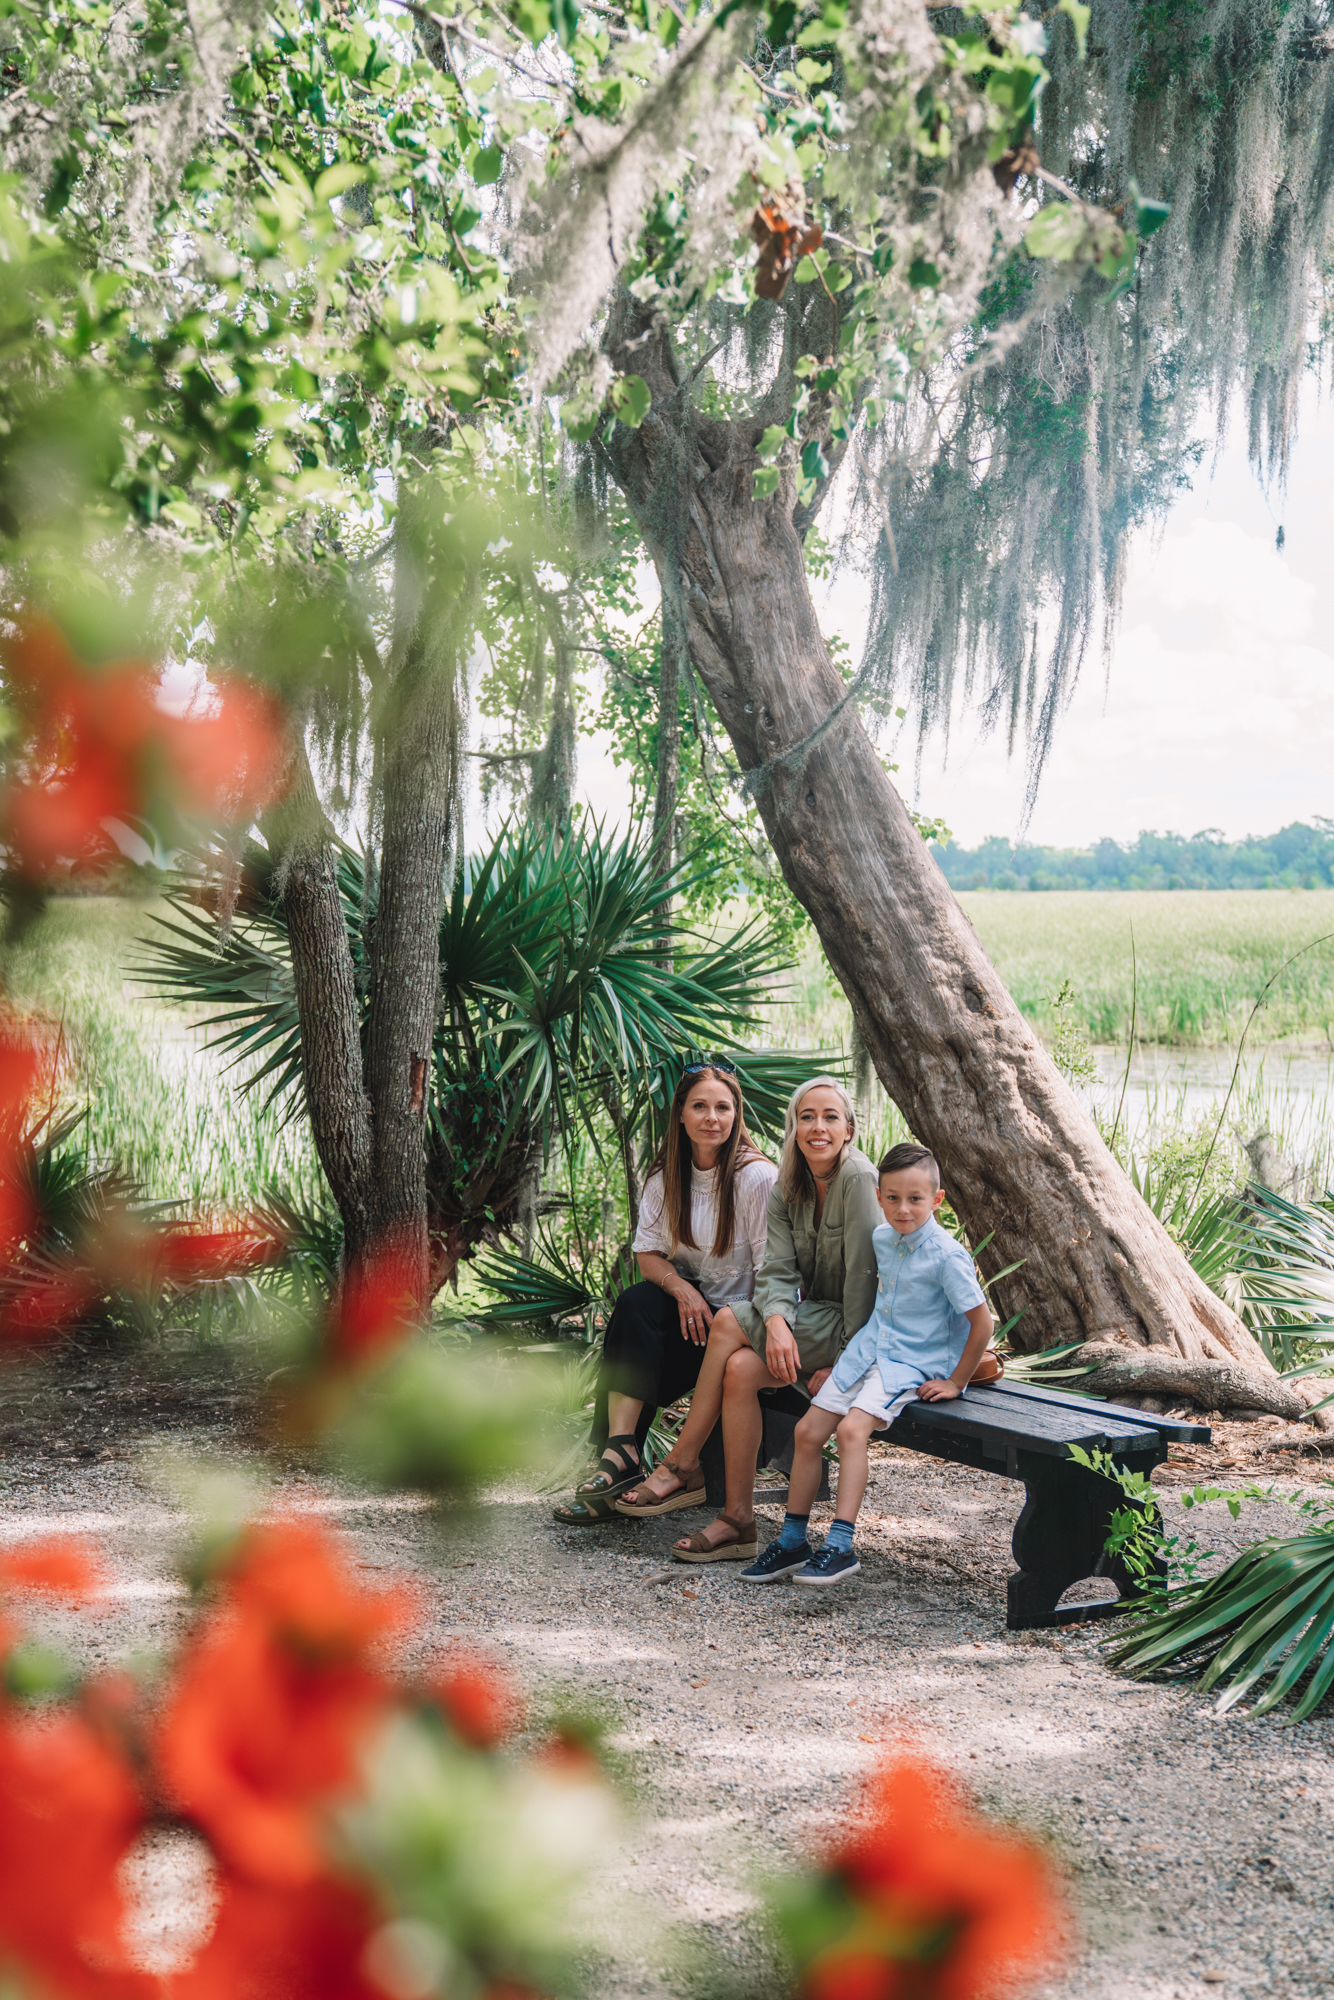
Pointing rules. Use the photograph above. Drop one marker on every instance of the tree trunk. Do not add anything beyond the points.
(328, 1008)
(420, 737)
(553, 766)
(1021, 1158)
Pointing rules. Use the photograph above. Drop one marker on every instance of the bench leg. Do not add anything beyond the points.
(1059, 1538)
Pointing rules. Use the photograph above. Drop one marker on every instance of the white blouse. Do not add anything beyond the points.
(720, 1279)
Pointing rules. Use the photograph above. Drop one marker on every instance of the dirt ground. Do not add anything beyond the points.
(1198, 1849)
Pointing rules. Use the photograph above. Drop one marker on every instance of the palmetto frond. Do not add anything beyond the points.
(1264, 1623)
(563, 981)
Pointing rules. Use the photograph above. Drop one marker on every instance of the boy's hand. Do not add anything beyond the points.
(819, 1378)
(937, 1391)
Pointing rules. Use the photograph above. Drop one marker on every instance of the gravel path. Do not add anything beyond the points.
(1199, 1849)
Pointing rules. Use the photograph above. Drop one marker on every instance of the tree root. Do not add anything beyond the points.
(1213, 1385)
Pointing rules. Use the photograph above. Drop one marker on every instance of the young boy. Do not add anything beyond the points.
(929, 1330)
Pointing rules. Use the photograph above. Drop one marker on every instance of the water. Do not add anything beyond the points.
(1288, 1095)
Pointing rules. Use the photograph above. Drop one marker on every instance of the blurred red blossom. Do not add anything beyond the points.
(284, 1942)
(20, 1069)
(64, 1567)
(476, 1699)
(275, 1701)
(69, 1812)
(923, 1900)
(374, 1312)
(187, 1255)
(97, 746)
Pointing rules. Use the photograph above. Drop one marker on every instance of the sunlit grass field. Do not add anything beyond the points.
(1201, 960)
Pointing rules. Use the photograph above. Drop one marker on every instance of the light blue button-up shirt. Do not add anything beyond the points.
(928, 1286)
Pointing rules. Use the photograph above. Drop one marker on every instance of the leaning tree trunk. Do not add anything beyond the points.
(1021, 1158)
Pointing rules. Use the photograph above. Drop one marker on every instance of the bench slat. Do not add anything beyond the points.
(1012, 1422)
(1173, 1428)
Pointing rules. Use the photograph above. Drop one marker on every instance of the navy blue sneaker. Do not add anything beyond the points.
(830, 1566)
(776, 1563)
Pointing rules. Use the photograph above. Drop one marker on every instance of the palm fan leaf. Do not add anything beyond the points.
(1267, 1617)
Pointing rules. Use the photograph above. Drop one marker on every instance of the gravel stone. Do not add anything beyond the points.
(1198, 1849)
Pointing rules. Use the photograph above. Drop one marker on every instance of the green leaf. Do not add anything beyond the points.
(1079, 21)
(533, 18)
(631, 400)
(1058, 231)
(565, 20)
(814, 464)
(920, 272)
(1149, 215)
(766, 481)
(486, 165)
(338, 179)
(771, 443)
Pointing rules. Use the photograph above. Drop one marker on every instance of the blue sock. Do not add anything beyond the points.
(840, 1536)
(794, 1531)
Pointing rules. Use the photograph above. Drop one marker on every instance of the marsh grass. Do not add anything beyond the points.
(1204, 957)
(158, 1103)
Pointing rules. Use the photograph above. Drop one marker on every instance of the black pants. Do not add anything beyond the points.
(645, 1355)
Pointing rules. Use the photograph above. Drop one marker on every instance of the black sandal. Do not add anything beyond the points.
(589, 1512)
(609, 1478)
(595, 1496)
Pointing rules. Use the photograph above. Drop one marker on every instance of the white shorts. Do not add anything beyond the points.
(870, 1394)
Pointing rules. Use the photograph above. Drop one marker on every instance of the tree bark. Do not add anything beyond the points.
(1021, 1158)
(419, 734)
(327, 1003)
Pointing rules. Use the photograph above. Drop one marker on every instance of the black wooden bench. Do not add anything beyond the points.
(1020, 1432)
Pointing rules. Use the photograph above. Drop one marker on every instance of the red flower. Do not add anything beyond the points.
(69, 1813)
(65, 1568)
(275, 1701)
(476, 1700)
(186, 1255)
(374, 1314)
(99, 747)
(285, 1944)
(943, 1907)
(20, 1067)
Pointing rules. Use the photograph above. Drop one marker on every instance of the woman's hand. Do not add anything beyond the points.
(782, 1356)
(938, 1391)
(695, 1310)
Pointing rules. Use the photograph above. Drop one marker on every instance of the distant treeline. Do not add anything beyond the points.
(1299, 857)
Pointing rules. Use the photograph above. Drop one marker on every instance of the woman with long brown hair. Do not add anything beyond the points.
(700, 1238)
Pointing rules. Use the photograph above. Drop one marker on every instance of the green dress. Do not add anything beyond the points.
(823, 1280)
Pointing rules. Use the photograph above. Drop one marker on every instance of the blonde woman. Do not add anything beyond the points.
(815, 1289)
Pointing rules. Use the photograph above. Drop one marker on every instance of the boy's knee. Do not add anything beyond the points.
(810, 1431)
(856, 1427)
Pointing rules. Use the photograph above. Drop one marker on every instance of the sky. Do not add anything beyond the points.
(1218, 710)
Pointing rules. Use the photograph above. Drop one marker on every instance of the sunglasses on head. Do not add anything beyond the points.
(710, 1062)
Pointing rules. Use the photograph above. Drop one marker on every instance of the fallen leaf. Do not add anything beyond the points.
(868, 1739)
(690, 1593)
(699, 1684)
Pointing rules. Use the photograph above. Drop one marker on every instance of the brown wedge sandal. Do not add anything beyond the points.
(689, 1494)
(744, 1549)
